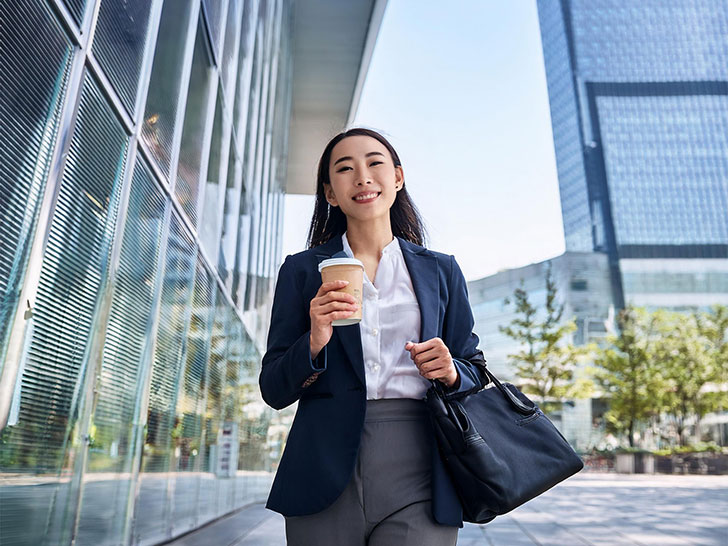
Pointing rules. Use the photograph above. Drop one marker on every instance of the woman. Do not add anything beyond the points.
(361, 465)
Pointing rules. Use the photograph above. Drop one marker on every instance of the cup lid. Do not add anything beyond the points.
(339, 261)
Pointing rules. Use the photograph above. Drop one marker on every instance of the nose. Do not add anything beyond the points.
(364, 177)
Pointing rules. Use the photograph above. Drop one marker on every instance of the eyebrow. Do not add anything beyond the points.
(349, 157)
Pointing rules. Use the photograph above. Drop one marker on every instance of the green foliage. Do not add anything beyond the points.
(625, 372)
(700, 447)
(545, 364)
(664, 365)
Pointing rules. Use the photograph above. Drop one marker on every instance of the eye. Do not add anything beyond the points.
(342, 169)
(376, 163)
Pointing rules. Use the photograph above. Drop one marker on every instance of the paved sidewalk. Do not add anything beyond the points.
(590, 508)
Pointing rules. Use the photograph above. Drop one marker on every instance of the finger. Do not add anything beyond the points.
(339, 296)
(338, 306)
(331, 285)
(428, 355)
(428, 344)
(435, 373)
(335, 315)
(433, 365)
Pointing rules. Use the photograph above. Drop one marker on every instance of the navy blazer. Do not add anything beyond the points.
(322, 445)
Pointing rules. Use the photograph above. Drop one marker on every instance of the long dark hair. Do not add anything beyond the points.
(329, 222)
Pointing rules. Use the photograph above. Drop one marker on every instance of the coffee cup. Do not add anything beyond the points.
(345, 269)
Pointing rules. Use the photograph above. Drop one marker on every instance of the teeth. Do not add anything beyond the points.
(367, 196)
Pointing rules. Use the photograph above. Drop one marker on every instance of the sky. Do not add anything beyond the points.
(460, 92)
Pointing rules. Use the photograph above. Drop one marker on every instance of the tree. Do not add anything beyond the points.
(546, 363)
(686, 359)
(624, 371)
(713, 326)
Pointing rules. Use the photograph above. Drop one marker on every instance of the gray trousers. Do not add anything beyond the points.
(388, 499)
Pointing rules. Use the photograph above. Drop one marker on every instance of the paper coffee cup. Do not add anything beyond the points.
(345, 269)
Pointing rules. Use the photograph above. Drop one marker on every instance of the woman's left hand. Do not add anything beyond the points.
(433, 359)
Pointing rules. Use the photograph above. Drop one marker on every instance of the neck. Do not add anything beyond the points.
(368, 239)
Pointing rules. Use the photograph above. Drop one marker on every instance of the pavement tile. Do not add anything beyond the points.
(471, 531)
(588, 509)
(271, 532)
(503, 531)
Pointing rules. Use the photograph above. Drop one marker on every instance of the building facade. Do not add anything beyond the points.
(639, 106)
(143, 165)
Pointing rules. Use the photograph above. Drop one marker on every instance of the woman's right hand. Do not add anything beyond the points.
(327, 306)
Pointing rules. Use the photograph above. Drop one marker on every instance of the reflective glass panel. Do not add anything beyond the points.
(28, 132)
(193, 131)
(107, 482)
(119, 41)
(152, 509)
(166, 80)
(42, 440)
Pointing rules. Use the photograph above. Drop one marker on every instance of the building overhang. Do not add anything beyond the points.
(332, 46)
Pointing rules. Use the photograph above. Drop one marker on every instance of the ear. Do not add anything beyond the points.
(330, 197)
(399, 175)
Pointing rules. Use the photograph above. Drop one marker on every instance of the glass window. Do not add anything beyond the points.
(251, 165)
(214, 190)
(166, 81)
(119, 40)
(112, 431)
(29, 124)
(76, 8)
(214, 10)
(228, 238)
(578, 285)
(209, 485)
(240, 274)
(187, 454)
(152, 521)
(230, 51)
(42, 440)
(193, 131)
(244, 73)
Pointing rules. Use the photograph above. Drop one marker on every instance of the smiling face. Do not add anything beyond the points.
(360, 166)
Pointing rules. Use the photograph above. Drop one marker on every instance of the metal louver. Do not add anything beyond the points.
(71, 277)
(112, 426)
(34, 82)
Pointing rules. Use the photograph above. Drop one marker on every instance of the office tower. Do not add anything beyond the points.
(638, 92)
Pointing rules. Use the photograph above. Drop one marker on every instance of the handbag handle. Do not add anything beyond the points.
(516, 402)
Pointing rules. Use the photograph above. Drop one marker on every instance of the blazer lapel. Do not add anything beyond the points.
(422, 267)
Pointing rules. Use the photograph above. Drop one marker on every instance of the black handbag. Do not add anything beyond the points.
(498, 447)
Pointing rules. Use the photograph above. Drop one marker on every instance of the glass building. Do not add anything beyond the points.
(144, 158)
(638, 93)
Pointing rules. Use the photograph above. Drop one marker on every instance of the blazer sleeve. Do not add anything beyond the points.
(287, 368)
(460, 338)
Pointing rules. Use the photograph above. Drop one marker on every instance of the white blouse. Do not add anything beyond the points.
(390, 318)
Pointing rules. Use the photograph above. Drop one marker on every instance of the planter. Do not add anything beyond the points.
(693, 463)
(635, 463)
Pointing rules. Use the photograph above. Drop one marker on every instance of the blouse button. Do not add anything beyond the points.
(374, 331)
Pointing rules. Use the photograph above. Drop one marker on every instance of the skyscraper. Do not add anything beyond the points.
(638, 92)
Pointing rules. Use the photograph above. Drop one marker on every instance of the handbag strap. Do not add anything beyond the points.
(516, 402)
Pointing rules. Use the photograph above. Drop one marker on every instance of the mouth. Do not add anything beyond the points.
(369, 198)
